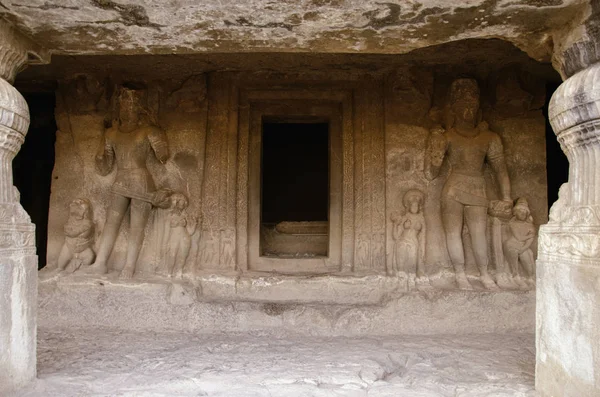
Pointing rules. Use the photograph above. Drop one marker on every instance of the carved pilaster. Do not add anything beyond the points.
(568, 266)
(14, 221)
(18, 262)
(13, 52)
(573, 233)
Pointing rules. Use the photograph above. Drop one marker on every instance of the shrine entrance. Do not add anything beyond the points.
(295, 189)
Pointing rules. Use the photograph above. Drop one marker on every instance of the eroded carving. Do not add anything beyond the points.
(408, 232)
(517, 246)
(181, 229)
(126, 146)
(558, 208)
(466, 145)
(227, 248)
(78, 249)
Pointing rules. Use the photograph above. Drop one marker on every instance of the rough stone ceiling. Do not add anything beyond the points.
(476, 57)
(371, 26)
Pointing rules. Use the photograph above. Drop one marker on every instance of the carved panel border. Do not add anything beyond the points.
(225, 185)
(342, 231)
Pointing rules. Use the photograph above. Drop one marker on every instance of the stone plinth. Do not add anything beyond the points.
(18, 289)
(372, 305)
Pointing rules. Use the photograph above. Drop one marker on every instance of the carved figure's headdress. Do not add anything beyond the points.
(522, 204)
(136, 96)
(87, 205)
(412, 194)
(461, 88)
(180, 196)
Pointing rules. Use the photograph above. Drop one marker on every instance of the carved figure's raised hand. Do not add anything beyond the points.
(193, 222)
(437, 145)
(395, 217)
(105, 157)
(506, 205)
(162, 198)
(407, 224)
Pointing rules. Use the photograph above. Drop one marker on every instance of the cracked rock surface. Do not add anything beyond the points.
(180, 26)
(96, 362)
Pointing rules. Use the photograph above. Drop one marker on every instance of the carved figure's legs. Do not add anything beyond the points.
(452, 218)
(114, 217)
(528, 262)
(512, 248)
(139, 212)
(84, 258)
(173, 248)
(183, 251)
(64, 257)
(476, 218)
(87, 256)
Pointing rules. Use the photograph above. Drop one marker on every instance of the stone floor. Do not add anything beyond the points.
(95, 362)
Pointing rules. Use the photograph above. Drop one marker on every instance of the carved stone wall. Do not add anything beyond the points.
(379, 126)
(84, 107)
(511, 103)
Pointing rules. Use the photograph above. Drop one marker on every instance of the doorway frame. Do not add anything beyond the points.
(292, 110)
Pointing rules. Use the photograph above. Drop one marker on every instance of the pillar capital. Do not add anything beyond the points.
(573, 233)
(578, 45)
(16, 50)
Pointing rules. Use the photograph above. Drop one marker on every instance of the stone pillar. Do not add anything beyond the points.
(18, 261)
(568, 266)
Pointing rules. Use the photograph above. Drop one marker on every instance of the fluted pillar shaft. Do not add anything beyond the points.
(18, 262)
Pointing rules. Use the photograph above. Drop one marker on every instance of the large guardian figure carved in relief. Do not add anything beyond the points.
(126, 145)
(467, 146)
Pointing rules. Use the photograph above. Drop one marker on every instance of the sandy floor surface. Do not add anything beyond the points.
(110, 363)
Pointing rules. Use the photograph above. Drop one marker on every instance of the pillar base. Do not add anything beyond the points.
(18, 307)
(568, 329)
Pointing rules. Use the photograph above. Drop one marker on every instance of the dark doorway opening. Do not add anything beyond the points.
(33, 165)
(557, 164)
(295, 188)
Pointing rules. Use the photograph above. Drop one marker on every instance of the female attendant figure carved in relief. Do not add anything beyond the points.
(467, 146)
(181, 230)
(408, 232)
(127, 145)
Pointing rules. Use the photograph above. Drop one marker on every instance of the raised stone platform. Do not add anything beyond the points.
(101, 363)
(328, 306)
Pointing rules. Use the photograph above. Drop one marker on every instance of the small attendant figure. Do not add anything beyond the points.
(408, 231)
(517, 247)
(181, 229)
(77, 251)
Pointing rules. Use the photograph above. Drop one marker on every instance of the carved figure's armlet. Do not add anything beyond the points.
(192, 226)
(105, 160)
(495, 156)
(437, 145)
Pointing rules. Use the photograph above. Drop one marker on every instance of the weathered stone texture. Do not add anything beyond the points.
(568, 353)
(379, 122)
(338, 306)
(150, 26)
(18, 262)
(81, 125)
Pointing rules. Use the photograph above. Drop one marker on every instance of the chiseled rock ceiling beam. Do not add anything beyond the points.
(184, 26)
